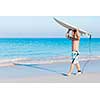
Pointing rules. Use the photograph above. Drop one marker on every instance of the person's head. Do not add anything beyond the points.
(74, 31)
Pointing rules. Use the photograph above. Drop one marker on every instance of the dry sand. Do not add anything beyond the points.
(84, 78)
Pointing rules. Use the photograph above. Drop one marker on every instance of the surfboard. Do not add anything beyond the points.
(69, 26)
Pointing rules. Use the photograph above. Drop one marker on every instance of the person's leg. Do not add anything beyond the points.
(72, 63)
(77, 62)
(78, 67)
(71, 69)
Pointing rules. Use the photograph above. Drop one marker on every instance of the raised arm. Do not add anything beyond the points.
(74, 38)
(67, 34)
(77, 34)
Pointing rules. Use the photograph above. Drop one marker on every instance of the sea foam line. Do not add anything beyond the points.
(51, 60)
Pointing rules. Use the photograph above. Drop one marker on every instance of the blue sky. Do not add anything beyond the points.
(45, 26)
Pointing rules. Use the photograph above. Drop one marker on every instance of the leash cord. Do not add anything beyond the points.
(84, 66)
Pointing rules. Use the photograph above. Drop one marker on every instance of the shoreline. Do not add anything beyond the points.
(52, 60)
(49, 73)
(26, 71)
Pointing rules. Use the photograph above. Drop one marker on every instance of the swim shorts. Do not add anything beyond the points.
(75, 57)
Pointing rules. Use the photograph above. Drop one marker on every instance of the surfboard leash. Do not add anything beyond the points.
(84, 66)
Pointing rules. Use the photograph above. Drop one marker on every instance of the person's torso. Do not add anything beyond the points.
(75, 43)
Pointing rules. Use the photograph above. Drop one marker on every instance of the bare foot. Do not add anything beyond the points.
(68, 74)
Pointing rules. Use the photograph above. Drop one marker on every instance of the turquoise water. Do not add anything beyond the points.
(38, 48)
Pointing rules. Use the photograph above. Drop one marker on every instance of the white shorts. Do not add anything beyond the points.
(75, 57)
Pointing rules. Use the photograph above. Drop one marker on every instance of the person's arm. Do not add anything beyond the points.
(68, 31)
(78, 34)
(67, 34)
(72, 38)
(75, 38)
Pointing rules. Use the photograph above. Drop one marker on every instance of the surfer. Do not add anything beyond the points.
(75, 38)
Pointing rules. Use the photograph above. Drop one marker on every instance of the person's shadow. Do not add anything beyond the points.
(37, 66)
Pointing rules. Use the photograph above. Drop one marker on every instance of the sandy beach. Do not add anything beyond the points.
(84, 78)
(50, 73)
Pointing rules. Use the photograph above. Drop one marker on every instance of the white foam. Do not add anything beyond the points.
(57, 60)
(44, 61)
(10, 62)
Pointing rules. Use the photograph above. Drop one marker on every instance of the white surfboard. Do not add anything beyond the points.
(69, 26)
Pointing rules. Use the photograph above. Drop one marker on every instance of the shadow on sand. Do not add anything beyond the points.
(37, 66)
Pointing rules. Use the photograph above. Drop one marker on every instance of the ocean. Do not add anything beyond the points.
(42, 48)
